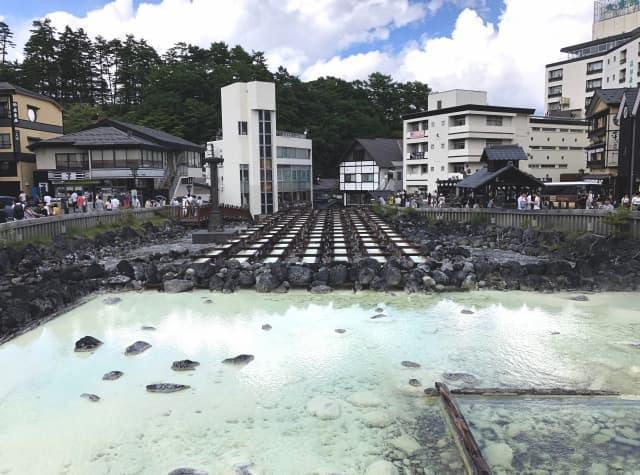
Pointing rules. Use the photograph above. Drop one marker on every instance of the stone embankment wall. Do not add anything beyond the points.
(38, 281)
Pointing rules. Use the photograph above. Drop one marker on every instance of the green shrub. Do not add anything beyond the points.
(620, 222)
(478, 219)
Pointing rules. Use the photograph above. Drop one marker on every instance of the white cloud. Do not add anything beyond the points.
(356, 66)
(506, 59)
(299, 32)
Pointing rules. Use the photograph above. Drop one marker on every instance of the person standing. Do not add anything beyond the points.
(536, 202)
(81, 203)
(626, 201)
(22, 197)
(18, 210)
(635, 202)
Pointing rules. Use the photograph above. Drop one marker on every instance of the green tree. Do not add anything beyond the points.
(40, 70)
(6, 41)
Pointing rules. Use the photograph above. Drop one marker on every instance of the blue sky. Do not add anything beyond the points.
(469, 44)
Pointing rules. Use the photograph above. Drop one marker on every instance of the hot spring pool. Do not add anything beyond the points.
(313, 400)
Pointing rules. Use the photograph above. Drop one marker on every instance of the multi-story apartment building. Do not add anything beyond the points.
(25, 118)
(369, 168)
(448, 139)
(604, 151)
(608, 61)
(629, 157)
(263, 168)
(556, 147)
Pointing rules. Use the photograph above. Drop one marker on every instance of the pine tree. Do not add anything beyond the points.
(40, 70)
(5, 41)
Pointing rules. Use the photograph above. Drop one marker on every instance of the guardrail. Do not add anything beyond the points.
(43, 228)
(579, 220)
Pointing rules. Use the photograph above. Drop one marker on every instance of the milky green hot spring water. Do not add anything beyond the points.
(314, 400)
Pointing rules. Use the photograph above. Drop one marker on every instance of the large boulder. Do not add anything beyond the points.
(299, 276)
(266, 282)
(338, 275)
(124, 267)
(393, 277)
(175, 286)
(137, 348)
(366, 276)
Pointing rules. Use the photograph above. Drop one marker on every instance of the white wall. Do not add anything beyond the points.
(456, 97)
(241, 103)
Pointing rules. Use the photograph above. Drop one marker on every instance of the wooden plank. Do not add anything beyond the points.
(532, 392)
(471, 451)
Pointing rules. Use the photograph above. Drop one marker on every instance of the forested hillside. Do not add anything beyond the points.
(179, 91)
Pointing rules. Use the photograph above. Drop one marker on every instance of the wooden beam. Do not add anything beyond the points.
(474, 458)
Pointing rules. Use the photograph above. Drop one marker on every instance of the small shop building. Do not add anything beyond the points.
(114, 158)
(500, 178)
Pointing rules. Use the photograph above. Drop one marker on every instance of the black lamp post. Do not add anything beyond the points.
(215, 218)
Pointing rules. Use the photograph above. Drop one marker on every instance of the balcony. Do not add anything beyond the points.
(416, 134)
(595, 164)
(293, 135)
(416, 156)
(555, 78)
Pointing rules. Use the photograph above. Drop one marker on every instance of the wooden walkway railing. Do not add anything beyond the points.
(46, 228)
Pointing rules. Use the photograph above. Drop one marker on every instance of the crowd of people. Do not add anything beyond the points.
(72, 202)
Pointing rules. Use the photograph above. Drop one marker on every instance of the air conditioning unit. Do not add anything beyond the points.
(565, 101)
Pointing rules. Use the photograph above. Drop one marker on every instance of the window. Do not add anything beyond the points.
(32, 113)
(494, 120)
(442, 168)
(350, 178)
(71, 161)
(266, 161)
(292, 152)
(622, 76)
(5, 110)
(439, 106)
(5, 140)
(555, 75)
(442, 145)
(623, 56)
(554, 106)
(442, 123)
(594, 84)
(433, 146)
(242, 128)
(367, 178)
(555, 91)
(594, 67)
(587, 102)
(458, 120)
(458, 144)
(358, 155)
(425, 169)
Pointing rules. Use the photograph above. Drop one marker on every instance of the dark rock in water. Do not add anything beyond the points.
(415, 383)
(431, 392)
(580, 298)
(466, 312)
(321, 289)
(87, 343)
(266, 327)
(111, 300)
(340, 330)
(187, 471)
(137, 348)
(555, 333)
(243, 468)
(461, 378)
(635, 345)
(166, 387)
(184, 365)
(410, 364)
(175, 286)
(240, 360)
(379, 310)
(112, 375)
(147, 328)
(90, 397)
(379, 315)
(207, 301)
